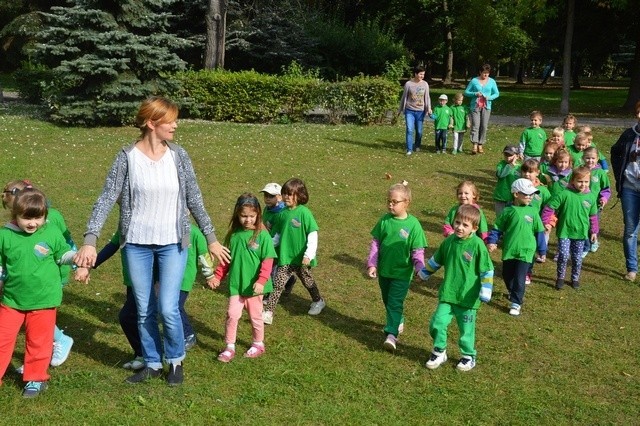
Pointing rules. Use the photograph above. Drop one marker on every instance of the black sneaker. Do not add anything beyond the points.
(559, 284)
(190, 341)
(575, 285)
(144, 375)
(175, 376)
(288, 287)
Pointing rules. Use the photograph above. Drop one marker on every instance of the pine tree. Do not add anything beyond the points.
(106, 56)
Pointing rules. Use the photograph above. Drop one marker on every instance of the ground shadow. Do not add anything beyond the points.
(384, 144)
(350, 260)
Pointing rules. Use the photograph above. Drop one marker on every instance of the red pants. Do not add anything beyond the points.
(253, 305)
(39, 325)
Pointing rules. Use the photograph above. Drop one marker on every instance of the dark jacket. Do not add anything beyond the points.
(621, 153)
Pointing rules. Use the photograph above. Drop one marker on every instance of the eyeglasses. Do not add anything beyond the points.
(525, 195)
(395, 202)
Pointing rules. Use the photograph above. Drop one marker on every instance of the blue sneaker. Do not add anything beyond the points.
(33, 389)
(595, 246)
(61, 350)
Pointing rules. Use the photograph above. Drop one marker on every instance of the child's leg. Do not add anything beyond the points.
(563, 257)
(508, 274)
(10, 322)
(438, 326)
(445, 134)
(39, 344)
(577, 247)
(396, 292)
(186, 324)
(234, 312)
(520, 269)
(253, 305)
(455, 141)
(466, 319)
(128, 318)
(282, 276)
(304, 273)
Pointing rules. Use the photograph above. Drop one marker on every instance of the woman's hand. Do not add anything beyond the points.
(220, 252)
(86, 256)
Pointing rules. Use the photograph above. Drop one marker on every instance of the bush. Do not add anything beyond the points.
(31, 81)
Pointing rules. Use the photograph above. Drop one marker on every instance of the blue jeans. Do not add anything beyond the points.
(441, 139)
(631, 216)
(171, 260)
(414, 120)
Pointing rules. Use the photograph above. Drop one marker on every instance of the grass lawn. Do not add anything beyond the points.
(570, 358)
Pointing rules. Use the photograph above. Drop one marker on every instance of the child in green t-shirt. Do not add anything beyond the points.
(559, 172)
(507, 171)
(397, 249)
(468, 279)
(600, 187)
(467, 193)
(443, 121)
(460, 122)
(533, 138)
(530, 169)
(568, 124)
(249, 273)
(577, 213)
(523, 233)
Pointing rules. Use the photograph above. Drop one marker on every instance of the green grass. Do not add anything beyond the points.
(571, 358)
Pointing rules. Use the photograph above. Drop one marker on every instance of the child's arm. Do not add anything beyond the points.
(82, 275)
(547, 216)
(372, 259)
(603, 163)
(417, 258)
(595, 227)
(67, 258)
(603, 197)
(429, 269)
(541, 243)
(492, 239)
(107, 251)
(312, 248)
(206, 265)
(218, 275)
(263, 276)
(486, 286)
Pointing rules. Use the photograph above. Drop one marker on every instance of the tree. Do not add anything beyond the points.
(105, 57)
(216, 18)
(566, 58)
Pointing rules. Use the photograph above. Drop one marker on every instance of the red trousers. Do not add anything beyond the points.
(39, 325)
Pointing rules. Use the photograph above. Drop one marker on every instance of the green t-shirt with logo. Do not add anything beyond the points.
(397, 238)
(573, 210)
(519, 226)
(460, 114)
(506, 174)
(294, 225)
(533, 139)
(483, 225)
(539, 200)
(443, 117)
(599, 181)
(246, 257)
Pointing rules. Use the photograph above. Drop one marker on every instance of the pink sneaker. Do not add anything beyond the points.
(255, 351)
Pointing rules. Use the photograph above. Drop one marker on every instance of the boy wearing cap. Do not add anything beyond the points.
(507, 171)
(273, 206)
(443, 120)
(523, 232)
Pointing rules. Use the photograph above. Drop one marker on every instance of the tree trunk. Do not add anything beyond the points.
(216, 19)
(634, 89)
(575, 73)
(566, 58)
(448, 74)
(520, 67)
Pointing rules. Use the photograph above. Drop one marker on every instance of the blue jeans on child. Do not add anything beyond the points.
(414, 122)
(171, 260)
(441, 139)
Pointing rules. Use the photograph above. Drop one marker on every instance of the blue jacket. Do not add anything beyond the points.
(489, 90)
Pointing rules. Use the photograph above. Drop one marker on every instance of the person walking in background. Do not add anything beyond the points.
(154, 181)
(460, 122)
(397, 249)
(482, 90)
(533, 138)
(415, 104)
(507, 171)
(443, 121)
(625, 162)
(252, 255)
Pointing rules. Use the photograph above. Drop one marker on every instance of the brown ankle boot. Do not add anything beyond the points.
(480, 149)
(474, 150)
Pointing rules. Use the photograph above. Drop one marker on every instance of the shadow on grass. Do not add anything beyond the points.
(350, 260)
(368, 333)
(385, 144)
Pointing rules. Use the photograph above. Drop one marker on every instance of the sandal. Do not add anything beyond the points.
(255, 351)
(480, 149)
(226, 355)
(474, 150)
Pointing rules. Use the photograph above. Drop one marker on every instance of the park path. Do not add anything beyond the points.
(555, 121)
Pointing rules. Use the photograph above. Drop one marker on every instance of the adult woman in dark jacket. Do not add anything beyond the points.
(625, 161)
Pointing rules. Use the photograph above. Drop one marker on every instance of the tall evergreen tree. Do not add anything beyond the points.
(105, 56)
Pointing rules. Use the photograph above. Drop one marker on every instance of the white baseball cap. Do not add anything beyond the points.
(525, 186)
(444, 97)
(272, 188)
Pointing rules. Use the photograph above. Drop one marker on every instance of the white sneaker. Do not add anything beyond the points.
(515, 310)
(267, 317)
(390, 343)
(135, 364)
(409, 152)
(436, 360)
(317, 307)
(466, 363)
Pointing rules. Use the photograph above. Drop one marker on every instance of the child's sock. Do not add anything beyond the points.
(231, 346)
(258, 343)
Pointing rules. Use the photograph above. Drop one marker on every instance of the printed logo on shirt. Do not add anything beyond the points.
(595, 179)
(404, 233)
(586, 204)
(41, 250)
(253, 245)
(295, 222)
(468, 256)
(528, 218)
(537, 197)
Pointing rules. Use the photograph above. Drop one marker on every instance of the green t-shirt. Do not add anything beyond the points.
(55, 218)
(533, 139)
(559, 182)
(32, 272)
(599, 181)
(443, 117)
(246, 258)
(573, 210)
(294, 225)
(569, 136)
(519, 226)
(506, 174)
(483, 226)
(539, 200)
(269, 217)
(463, 262)
(397, 238)
(460, 113)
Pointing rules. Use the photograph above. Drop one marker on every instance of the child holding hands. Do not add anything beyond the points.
(397, 249)
(460, 115)
(30, 254)
(468, 279)
(249, 272)
(507, 172)
(467, 193)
